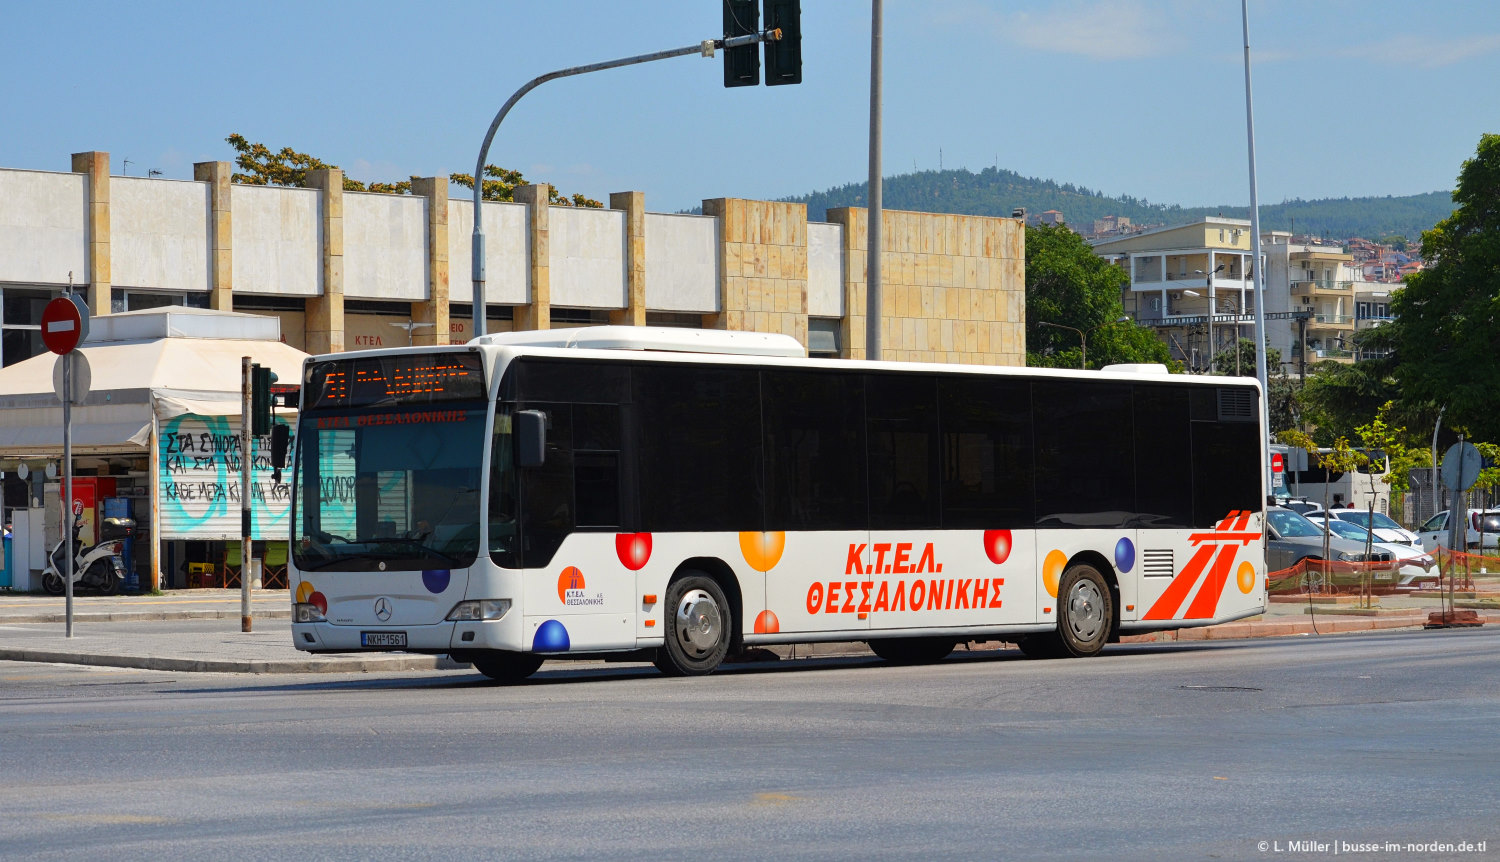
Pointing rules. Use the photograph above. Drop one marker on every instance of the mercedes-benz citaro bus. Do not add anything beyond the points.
(680, 495)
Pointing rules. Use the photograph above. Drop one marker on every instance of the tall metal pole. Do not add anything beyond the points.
(67, 361)
(1255, 262)
(875, 212)
(245, 467)
(705, 48)
(1436, 496)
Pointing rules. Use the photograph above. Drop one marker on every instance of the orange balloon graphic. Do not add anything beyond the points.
(304, 590)
(1245, 576)
(767, 623)
(1052, 569)
(762, 550)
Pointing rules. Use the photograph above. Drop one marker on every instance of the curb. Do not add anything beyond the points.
(140, 616)
(338, 664)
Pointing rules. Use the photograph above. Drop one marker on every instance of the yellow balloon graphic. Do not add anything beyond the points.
(304, 591)
(1052, 569)
(762, 550)
(1245, 576)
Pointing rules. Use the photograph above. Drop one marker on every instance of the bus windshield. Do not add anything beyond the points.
(387, 480)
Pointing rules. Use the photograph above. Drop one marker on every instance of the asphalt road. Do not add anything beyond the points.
(1161, 751)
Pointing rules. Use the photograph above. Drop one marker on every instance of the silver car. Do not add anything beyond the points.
(1291, 538)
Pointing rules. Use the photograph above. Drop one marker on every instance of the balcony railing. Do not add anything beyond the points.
(1308, 288)
(1368, 322)
(1342, 320)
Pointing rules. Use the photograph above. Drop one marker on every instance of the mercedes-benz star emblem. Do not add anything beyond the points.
(382, 609)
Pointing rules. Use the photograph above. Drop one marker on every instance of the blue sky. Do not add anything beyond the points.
(1352, 97)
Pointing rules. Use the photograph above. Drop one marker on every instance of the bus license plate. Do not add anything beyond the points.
(382, 639)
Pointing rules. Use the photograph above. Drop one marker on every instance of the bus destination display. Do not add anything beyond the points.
(389, 380)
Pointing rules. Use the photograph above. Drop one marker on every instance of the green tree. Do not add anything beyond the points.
(1447, 315)
(260, 165)
(1070, 286)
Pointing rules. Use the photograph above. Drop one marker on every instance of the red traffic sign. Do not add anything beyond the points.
(65, 323)
(1276, 465)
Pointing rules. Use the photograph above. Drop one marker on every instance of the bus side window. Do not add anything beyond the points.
(1164, 496)
(697, 447)
(1085, 454)
(986, 458)
(901, 415)
(815, 450)
(596, 464)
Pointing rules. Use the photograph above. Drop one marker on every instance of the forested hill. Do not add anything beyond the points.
(994, 192)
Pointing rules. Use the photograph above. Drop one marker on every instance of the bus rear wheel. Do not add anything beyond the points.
(1085, 612)
(506, 666)
(699, 627)
(912, 650)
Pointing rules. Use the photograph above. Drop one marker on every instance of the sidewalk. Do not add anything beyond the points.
(167, 632)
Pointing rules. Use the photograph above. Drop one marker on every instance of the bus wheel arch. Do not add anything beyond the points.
(702, 612)
(1111, 580)
(1088, 590)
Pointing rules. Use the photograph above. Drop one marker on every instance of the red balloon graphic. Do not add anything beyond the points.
(997, 545)
(634, 549)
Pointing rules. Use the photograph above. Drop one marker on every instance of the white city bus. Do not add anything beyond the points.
(681, 495)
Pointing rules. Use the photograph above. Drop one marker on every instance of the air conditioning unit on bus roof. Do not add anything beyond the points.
(664, 338)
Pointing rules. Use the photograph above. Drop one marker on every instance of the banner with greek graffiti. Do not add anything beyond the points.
(200, 482)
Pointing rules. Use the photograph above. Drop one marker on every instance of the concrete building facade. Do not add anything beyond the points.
(349, 270)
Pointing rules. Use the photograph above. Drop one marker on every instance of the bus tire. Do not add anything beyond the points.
(699, 625)
(1085, 611)
(912, 650)
(503, 666)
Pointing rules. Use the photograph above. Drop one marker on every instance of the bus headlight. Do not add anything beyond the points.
(306, 612)
(479, 609)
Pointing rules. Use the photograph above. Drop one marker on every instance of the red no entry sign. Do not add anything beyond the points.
(65, 323)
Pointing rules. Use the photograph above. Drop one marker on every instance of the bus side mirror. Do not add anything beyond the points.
(281, 437)
(531, 438)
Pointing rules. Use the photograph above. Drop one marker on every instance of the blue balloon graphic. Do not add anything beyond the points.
(435, 580)
(550, 637)
(1125, 555)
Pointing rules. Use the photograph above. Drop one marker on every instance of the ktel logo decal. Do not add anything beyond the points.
(570, 586)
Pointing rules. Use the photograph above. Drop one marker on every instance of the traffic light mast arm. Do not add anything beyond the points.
(704, 48)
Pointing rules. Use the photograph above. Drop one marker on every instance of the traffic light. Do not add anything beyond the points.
(784, 55)
(742, 64)
(261, 379)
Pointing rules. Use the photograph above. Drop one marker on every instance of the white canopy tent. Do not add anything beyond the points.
(147, 367)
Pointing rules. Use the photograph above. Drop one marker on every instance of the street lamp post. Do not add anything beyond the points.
(1083, 337)
(1209, 279)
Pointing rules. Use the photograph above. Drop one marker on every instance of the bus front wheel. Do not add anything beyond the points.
(506, 666)
(699, 627)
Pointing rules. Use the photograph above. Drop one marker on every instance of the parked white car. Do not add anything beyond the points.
(1416, 565)
(1433, 534)
(1384, 528)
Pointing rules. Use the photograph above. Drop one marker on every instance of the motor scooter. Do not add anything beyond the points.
(99, 568)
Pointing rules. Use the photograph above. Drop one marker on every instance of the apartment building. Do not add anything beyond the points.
(1194, 284)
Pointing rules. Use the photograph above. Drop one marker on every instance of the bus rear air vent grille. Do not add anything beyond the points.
(1237, 404)
(1157, 563)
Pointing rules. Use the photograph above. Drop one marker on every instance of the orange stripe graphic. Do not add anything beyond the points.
(1207, 601)
(1177, 591)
